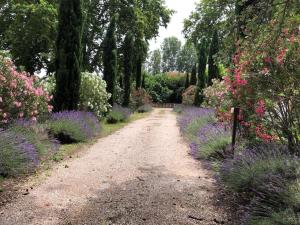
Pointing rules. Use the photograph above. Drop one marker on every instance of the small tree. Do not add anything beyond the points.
(128, 65)
(68, 55)
(194, 75)
(110, 59)
(213, 70)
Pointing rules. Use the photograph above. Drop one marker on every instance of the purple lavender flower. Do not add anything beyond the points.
(17, 154)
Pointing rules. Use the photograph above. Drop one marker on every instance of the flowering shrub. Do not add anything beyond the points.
(21, 96)
(73, 126)
(268, 177)
(216, 97)
(265, 84)
(118, 114)
(93, 95)
(17, 154)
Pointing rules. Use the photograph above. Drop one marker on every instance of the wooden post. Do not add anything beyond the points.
(235, 112)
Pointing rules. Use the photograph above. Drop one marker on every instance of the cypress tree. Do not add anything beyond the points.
(202, 67)
(194, 75)
(68, 55)
(143, 81)
(202, 61)
(187, 81)
(110, 59)
(213, 70)
(139, 72)
(128, 66)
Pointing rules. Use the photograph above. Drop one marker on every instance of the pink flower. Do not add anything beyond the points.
(34, 118)
(50, 108)
(13, 84)
(4, 115)
(261, 108)
(21, 114)
(281, 56)
(1, 100)
(18, 104)
(265, 71)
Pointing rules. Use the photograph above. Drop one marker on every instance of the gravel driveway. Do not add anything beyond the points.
(141, 174)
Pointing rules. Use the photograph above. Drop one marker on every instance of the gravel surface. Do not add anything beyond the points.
(141, 174)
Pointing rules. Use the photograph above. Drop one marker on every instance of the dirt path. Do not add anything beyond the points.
(142, 174)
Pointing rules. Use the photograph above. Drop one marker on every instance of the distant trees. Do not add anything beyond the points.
(187, 57)
(170, 49)
(110, 59)
(68, 55)
(155, 62)
(213, 69)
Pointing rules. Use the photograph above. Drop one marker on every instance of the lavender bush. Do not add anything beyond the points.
(118, 114)
(17, 154)
(244, 171)
(73, 126)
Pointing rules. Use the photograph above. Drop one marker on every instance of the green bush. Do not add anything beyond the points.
(144, 109)
(73, 126)
(118, 114)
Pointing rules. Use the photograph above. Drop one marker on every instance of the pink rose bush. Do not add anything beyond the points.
(21, 96)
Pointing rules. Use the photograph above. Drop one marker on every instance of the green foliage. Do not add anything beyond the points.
(68, 55)
(93, 95)
(164, 88)
(213, 149)
(170, 49)
(202, 62)
(110, 59)
(118, 114)
(213, 69)
(28, 31)
(67, 131)
(187, 80)
(128, 67)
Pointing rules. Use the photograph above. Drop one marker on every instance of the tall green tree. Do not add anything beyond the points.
(68, 55)
(110, 59)
(170, 51)
(128, 66)
(213, 69)
(202, 62)
(194, 75)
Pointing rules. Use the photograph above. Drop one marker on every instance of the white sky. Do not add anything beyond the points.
(183, 9)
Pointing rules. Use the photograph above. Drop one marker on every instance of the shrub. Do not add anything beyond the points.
(213, 139)
(165, 88)
(93, 95)
(245, 171)
(189, 95)
(73, 126)
(118, 114)
(21, 96)
(178, 108)
(139, 98)
(37, 135)
(144, 108)
(17, 154)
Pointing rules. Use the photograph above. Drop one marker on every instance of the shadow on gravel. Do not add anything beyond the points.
(156, 198)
